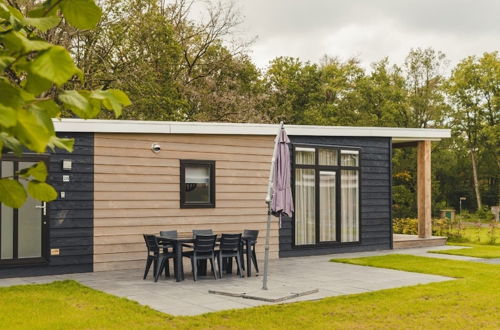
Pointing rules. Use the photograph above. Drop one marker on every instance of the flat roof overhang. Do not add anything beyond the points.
(398, 135)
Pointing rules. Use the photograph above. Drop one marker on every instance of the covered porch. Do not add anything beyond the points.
(424, 238)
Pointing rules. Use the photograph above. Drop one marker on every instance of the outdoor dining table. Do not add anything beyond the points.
(178, 243)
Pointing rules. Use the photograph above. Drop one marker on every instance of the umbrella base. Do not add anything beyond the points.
(272, 295)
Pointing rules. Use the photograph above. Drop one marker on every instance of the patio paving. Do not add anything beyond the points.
(286, 275)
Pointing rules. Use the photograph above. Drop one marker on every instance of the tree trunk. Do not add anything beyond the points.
(475, 179)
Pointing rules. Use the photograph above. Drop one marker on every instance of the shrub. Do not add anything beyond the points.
(485, 214)
(408, 226)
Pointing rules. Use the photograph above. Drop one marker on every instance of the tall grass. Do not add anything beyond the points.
(457, 230)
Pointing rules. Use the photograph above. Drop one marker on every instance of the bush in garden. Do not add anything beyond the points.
(407, 226)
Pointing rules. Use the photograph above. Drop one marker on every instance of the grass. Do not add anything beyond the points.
(474, 250)
(475, 235)
(481, 235)
(471, 301)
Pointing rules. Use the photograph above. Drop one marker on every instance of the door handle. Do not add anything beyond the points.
(43, 207)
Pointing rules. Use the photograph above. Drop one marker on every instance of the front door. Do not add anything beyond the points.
(23, 231)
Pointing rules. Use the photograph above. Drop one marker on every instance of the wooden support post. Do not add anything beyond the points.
(424, 189)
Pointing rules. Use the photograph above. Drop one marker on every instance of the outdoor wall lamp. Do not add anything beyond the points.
(155, 147)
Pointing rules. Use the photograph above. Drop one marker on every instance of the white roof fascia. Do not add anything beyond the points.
(164, 127)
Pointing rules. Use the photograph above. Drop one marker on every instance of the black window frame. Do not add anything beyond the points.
(194, 162)
(338, 168)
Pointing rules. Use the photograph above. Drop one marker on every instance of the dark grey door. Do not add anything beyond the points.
(23, 231)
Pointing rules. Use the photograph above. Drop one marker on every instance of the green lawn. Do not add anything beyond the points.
(474, 250)
(471, 301)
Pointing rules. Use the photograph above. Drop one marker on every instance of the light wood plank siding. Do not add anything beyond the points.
(137, 191)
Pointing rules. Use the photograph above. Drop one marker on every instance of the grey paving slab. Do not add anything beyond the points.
(304, 273)
(495, 261)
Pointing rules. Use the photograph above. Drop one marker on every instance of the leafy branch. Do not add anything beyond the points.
(29, 68)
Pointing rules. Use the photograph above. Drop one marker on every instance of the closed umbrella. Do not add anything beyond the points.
(279, 193)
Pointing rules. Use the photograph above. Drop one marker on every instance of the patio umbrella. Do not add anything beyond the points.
(279, 193)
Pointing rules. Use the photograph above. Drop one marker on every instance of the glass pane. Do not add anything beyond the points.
(7, 219)
(350, 206)
(349, 157)
(29, 226)
(327, 206)
(305, 156)
(197, 184)
(305, 207)
(328, 157)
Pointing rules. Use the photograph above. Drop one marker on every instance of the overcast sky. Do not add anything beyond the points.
(369, 29)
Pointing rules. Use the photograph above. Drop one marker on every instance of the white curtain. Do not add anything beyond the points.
(327, 206)
(327, 157)
(350, 206)
(304, 206)
(305, 156)
(349, 157)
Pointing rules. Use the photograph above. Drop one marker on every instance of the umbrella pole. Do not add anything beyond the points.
(266, 256)
(268, 201)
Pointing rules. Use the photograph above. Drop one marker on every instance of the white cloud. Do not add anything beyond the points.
(368, 29)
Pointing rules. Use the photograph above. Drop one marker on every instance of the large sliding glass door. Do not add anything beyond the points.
(23, 230)
(326, 195)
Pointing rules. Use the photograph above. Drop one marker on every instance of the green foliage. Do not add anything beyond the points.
(407, 226)
(54, 65)
(456, 231)
(42, 191)
(82, 14)
(12, 192)
(32, 73)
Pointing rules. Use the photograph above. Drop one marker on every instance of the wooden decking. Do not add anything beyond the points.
(401, 241)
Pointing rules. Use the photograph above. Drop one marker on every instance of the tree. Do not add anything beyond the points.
(292, 87)
(232, 94)
(474, 91)
(132, 48)
(33, 77)
(339, 102)
(174, 67)
(383, 96)
(424, 79)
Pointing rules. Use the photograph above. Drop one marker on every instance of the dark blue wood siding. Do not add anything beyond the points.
(375, 202)
(71, 218)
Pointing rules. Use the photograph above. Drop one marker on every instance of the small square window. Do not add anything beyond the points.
(197, 184)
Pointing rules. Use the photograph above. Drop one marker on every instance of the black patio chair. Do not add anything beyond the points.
(203, 249)
(168, 233)
(204, 232)
(155, 257)
(230, 246)
(252, 241)
(166, 246)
